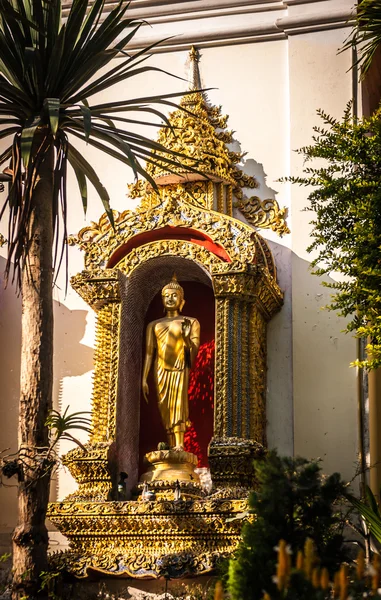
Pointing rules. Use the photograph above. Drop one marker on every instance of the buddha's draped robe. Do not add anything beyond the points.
(172, 365)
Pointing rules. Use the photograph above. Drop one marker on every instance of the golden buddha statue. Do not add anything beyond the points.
(175, 341)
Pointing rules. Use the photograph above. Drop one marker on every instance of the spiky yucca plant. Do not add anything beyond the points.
(50, 68)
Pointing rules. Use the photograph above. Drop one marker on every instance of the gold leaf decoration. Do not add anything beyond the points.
(264, 213)
(137, 189)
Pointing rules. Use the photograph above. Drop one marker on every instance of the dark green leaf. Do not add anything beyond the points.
(85, 110)
(52, 107)
(80, 163)
(81, 179)
(27, 137)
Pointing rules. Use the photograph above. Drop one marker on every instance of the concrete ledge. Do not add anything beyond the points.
(206, 38)
(274, 29)
(193, 22)
(313, 22)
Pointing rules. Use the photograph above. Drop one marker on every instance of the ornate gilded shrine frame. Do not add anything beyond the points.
(114, 537)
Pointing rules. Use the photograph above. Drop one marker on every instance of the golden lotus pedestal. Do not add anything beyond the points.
(171, 471)
(171, 466)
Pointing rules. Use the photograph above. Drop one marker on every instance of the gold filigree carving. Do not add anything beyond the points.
(180, 248)
(130, 509)
(91, 233)
(89, 467)
(220, 378)
(236, 157)
(217, 119)
(225, 136)
(175, 210)
(143, 563)
(97, 287)
(193, 134)
(164, 490)
(149, 538)
(249, 282)
(243, 181)
(137, 189)
(265, 214)
(258, 352)
(200, 193)
(246, 298)
(105, 382)
(231, 461)
(142, 190)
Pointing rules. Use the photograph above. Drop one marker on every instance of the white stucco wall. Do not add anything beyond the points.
(272, 67)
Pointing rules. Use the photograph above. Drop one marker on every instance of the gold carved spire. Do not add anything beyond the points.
(194, 135)
(198, 132)
(195, 79)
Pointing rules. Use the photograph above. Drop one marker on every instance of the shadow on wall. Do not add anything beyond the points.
(311, 388)
(71, 358)
(256, 170)
(324, 383)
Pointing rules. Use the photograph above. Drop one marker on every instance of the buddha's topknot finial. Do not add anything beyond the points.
(173, 285)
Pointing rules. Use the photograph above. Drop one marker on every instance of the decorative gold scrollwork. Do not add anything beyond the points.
(175, 210)
(180, 248)
(265, 214)
(147, 538)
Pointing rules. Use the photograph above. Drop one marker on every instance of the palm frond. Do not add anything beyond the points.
(61, 426)
(369, 511)
(366, 34)
(45, 69)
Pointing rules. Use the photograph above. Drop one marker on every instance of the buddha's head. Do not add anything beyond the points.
(172, 295)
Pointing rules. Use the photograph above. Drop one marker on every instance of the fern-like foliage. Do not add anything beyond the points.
(343, 168)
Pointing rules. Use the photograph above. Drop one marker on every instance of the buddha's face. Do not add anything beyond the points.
(172, 299)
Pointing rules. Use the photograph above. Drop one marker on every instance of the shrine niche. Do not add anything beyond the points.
(167, 522)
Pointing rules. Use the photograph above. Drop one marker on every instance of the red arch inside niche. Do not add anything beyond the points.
(168, 233)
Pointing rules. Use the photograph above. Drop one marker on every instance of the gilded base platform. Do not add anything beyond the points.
(147, 539)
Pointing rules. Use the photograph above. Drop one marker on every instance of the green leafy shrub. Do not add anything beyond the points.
(346, 199)
(292, 502)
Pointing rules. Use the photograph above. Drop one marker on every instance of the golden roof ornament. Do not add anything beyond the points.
(193, 134)
(198, 131)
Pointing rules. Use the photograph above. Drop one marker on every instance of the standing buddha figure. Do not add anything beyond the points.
(174, 340)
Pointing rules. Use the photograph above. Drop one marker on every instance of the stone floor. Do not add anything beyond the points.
(123, 589)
